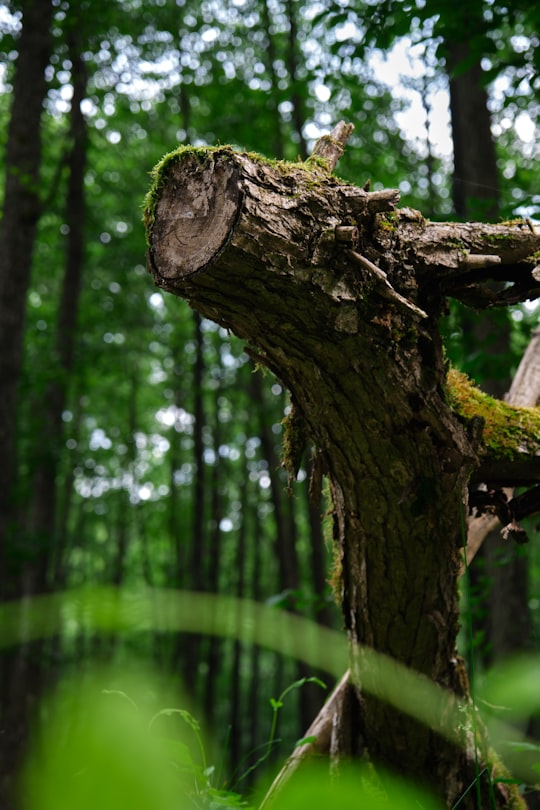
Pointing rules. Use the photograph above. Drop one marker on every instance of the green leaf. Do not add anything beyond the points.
(306, 741)
(188, 718)
(514, 686)
(356, 787)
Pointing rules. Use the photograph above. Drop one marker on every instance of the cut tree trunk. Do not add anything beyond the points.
(339, 294)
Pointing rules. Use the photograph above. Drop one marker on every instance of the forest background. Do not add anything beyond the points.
(139, 445)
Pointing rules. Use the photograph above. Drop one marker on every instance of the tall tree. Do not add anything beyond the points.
(475, 178)
(41, 521)
(342, 295)
(21, 211)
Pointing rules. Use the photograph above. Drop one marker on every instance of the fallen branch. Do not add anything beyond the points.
(525, 393)
(321, 731)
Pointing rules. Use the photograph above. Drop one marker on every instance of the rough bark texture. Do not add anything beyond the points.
(340, 295)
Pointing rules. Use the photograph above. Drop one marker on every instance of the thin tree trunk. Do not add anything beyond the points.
(501, 567)
(284, 537)
(236, 717)
(270, 58)
(253, 684)
(292, 59)
(211, 584)
(475, 182)
(189, 647)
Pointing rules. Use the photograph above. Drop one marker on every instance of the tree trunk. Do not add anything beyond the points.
(341, 295)
(21, 211)
(475, 181)
(476, 194)
(41, 519)
(187, 649)
(270, 57)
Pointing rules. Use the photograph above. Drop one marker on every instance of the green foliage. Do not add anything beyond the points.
(276, 706)
(103, 738)
(101, 747)
(101, 750)
(353, 787)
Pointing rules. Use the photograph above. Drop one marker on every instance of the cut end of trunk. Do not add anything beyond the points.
(196, 206)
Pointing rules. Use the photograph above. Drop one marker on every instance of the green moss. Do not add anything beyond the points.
(507, 429)
(452, 242)
(500, 773)
(295, 439)
(500, 238)
(389, 220)
(318, 161)
(512, 222)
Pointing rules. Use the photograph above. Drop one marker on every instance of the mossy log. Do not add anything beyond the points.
(340, 293)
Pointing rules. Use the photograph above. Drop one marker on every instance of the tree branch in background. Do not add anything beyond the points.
(524, 393)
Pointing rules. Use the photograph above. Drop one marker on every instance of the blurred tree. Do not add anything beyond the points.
(22, 208)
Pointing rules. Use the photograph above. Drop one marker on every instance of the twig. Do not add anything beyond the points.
(331, 147)
(384, 287)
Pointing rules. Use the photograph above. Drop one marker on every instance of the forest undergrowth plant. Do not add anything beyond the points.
(277, 705)
(472, 678)
(102, 752)
(108, 754)
(515, 685)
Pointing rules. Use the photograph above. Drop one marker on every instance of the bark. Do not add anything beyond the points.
(341, 295)
(325, 612)
(270, 57)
